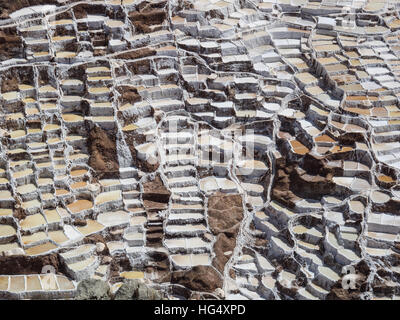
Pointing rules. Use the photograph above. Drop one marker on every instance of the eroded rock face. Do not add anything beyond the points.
(225, 212)
(136, 54)
(128, 94)
(103, 155)
(155, 194)
(118, 264)
(14, 77)
(134, 139)
(82, 10)
(146, 17)
(312, 182)
(224, 244)
(11, 45)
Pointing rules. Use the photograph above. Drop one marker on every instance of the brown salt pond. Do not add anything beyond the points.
(65, 54)
(61, 192)
(33, 283)
(299, 148)
(79, 206)
(385, 178)
(52, 216)
(78, 185)
(138, 220)
(40, 249)
(38, 236)
(91, 227)
(72, 117)
(379, 197)
(58, 237)
(6, 231)
(3, 283)
(17, 284)
(324, 139)
(132, 275)
(32, 221)
(64, 283)
(78, 172)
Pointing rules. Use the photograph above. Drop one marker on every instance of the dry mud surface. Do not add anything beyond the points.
(209, 150)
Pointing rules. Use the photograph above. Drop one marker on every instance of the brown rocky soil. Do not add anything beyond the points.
(119, 263)
(11, 45)
(99, 52)
(146, 6)
(141, 27)
(312, 181)
(82, 10)
(158, 262)
(128, 95)
(225, 212)
(148, 18)
(281, 186)
(133, 139)
(12, 77)
(19, 213)
(199, 278)
(155, 194)
(392, 206)
(184, 5)
(14, 265)
(43, 76)
(103, 155)
(136, 54)
(98, 238)
(139, 67)
(224, 244)
(338, 293)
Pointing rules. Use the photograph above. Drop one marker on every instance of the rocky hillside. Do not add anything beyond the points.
(189, 149)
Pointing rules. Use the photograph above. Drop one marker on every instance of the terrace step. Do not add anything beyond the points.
(185, 230)
(186, 191)
(133, 203)
(183, 218)
(134, 238)
(83, 269)
(179, 148)
(182, 182)
(186, 208)
(187, 245)
(78, 254)
(187, 200)
(180, 159)
(179, 171)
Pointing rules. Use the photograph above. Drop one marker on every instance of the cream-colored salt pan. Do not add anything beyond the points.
(108, 196)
